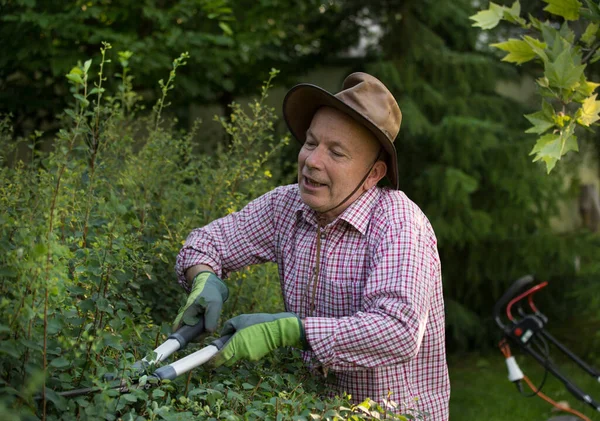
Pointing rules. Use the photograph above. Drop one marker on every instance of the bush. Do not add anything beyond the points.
(89, 235)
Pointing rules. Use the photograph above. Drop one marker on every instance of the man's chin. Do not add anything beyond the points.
(311, 201)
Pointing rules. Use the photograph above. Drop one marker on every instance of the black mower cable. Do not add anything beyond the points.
(546, 353)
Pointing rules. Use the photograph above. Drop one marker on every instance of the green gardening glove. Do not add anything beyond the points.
(256, 335)
(206, 299)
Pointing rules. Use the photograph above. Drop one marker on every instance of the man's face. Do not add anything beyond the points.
(337, 154)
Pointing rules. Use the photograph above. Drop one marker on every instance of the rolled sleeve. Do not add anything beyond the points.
(196, 251)
(233, 242)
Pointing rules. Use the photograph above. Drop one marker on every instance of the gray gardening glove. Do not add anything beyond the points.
(205, 300)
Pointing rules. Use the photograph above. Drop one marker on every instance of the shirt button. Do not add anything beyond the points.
(322, 236)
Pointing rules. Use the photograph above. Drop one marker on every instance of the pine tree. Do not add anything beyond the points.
(463, 158)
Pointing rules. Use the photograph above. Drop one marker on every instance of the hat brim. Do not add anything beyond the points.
(302, 102)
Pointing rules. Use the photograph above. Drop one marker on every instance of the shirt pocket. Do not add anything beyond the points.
(340, 298)
(343, 286)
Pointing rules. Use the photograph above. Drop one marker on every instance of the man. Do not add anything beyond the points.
(358, 264)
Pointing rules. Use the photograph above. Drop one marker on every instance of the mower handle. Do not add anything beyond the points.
(517, 286)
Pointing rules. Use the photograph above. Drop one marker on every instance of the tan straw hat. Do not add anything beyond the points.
(363, 97)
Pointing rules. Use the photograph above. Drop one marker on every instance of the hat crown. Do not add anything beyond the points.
(369, 97)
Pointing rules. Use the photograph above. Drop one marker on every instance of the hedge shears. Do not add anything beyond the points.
(175, 342)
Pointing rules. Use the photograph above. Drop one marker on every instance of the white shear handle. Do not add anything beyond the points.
(179, 367)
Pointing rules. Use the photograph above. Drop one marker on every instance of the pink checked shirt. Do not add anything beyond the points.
(378, 320)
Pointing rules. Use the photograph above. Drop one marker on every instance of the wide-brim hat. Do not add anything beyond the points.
(363, 97)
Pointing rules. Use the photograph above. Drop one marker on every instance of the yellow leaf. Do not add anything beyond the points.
(589, 111)
(488, 19)
(586, 88)
(518, 51)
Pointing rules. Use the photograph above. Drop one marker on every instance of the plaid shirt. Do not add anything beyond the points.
(378, 320)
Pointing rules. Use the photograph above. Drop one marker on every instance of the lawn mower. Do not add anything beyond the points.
(526, 327)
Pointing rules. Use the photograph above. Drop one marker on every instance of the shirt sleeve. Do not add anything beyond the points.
(396, 303)
(233, 242)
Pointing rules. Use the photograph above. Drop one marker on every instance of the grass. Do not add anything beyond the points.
(481, 390)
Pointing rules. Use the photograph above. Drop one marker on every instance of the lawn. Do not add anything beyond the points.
(482, 392)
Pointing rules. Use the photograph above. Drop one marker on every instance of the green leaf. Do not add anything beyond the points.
(96, 91)
(56, 399)
(549, 34)
(158, 393)
(512, 15)
(552, 146)
(541, 120)
(545, 149)
(564, 73)
(586, 88)
(571, 144)
(515, 9)
(518, 51)
(75, 78)
(55, 325)
(104, 305)
(589, 111)
(537, 46)
(112, 340)
(81, 98)
(568, 9)
(226, 28)
(9, 348)
(593, 9)
(567, 33)
(39, 249)
(589, 36)
(70, 113)
(488, 19)
(86, 65)
(60, 362)
(129, 397)
(86, 305)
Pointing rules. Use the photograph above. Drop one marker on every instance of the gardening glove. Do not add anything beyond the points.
(205, 300)
(256, 335)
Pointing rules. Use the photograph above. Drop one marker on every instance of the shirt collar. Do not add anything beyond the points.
(357, 214)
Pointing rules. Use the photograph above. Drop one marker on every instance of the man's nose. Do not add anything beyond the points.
(314, 159)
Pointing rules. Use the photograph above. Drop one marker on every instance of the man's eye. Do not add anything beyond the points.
(310, 145)
(337, 154)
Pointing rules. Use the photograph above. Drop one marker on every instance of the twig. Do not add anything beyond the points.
(187, 383)
(590, 53)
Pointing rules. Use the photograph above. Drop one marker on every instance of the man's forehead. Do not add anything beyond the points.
(334, 138)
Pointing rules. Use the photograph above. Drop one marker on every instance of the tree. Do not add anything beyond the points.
(462, 158)
(232, 44)
(565, 52)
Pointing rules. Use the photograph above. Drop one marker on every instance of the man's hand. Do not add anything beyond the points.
(206, 299)
(256, 335)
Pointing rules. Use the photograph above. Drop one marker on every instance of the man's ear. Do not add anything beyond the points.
(378, 171)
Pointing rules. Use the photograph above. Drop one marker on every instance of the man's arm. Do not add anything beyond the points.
(397, 304)
(230, 243)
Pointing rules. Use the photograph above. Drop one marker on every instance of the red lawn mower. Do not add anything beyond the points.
(525, 327)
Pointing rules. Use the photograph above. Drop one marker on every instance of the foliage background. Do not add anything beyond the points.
(91, 227)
